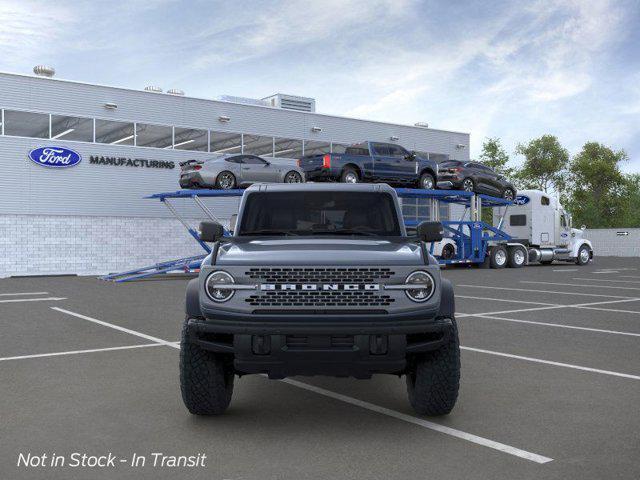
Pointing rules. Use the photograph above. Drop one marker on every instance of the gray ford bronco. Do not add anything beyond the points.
(320, 279)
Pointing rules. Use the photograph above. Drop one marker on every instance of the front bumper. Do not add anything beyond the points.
(322, 351)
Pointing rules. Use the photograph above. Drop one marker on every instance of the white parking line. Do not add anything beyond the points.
(580, 285)
(469, 437)
(528, 290)
(554, 306)
(353, 401)
(558, 325)
(565, 269)
(504, 300)
(76, 352)
(604, 280)
(610, 310)
(23, 293)
(45, 299)
(115, 327)
(549, 362)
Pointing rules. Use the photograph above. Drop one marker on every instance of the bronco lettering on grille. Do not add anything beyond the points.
(323, 286)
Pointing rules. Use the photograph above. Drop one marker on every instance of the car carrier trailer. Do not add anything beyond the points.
(469, 239)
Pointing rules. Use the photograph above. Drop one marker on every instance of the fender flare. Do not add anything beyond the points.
(578, 245)
(447, 300)
(192, 304)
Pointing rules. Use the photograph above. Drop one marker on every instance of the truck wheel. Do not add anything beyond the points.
(432, 385)
(498, 257)
(517, 257)
(349, 175)
(427, 182)
(206, 381)
(583, 255)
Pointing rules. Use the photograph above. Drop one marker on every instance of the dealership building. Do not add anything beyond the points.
(93, 217)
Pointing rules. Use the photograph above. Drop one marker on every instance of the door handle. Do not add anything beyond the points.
(245, 168)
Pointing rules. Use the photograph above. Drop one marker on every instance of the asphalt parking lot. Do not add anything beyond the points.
(550, 387)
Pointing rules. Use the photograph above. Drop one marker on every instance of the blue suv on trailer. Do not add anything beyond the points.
(372, 162)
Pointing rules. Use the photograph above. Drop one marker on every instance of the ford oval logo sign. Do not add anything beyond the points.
(521, 200)
(56, 157)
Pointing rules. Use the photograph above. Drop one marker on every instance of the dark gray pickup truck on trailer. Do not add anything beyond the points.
(320, 279)
(372, 162)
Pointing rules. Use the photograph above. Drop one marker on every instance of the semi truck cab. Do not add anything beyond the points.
(540, 222)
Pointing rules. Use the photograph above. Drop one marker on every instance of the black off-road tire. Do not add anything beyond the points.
(433, 383)
(206, 379)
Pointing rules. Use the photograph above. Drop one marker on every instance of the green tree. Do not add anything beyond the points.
(495, 156)
(631, 216)
(545, 164)
(599, 192)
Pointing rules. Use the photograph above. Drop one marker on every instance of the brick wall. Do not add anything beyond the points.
(614, 242)
(49, 245)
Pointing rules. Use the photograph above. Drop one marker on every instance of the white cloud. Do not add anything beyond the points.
(30, 28)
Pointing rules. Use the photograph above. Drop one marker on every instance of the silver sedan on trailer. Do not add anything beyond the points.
(236, 171)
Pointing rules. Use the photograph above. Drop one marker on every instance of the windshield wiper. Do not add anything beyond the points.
(269, 231)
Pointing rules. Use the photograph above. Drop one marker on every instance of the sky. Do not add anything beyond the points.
(514, 70)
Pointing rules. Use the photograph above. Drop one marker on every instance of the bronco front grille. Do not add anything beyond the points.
(319, 274)
(299, 298)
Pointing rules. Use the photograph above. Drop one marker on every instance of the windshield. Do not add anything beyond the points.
(320, 213)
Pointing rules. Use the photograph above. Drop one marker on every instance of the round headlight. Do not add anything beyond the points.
(426, 286)
(215, 286)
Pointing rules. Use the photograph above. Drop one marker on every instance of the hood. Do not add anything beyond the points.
(319, 251)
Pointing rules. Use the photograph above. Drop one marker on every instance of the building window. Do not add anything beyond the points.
(258, 145)
(224, 142)
(312, 147)
(71, 128)
(157, 136)
(114, 133)
(190, 139)
(287, 148)
(26, 124)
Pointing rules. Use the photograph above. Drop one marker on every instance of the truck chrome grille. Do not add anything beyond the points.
(319, 274)
(319, 299)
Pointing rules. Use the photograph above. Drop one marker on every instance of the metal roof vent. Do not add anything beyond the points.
(292, 102)
(44, 71)
(153, 88)
(176, 91)
(422, 124)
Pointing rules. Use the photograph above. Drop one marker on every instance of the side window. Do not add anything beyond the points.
(237, 159)
(380, 149)
(517, 220)
(545, 200)
(472, 165)
(563, 221)
(252, 160)
(397, 151)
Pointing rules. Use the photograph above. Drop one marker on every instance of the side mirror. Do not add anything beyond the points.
(410, 156)
(211, 231)
(232, 222)
(430, 231)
